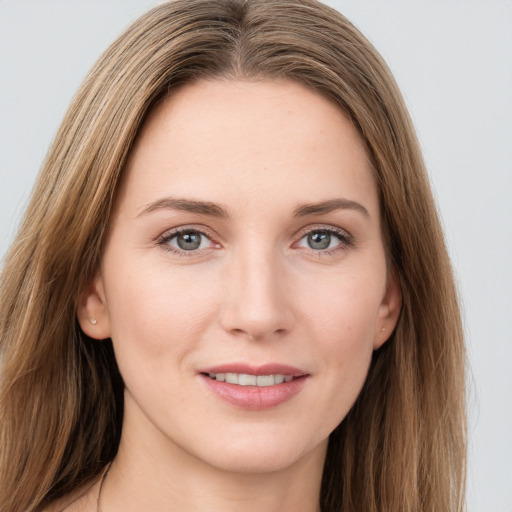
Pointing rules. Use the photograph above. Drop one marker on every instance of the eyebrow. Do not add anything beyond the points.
(329, 206)
(185, 205)
(215, 210)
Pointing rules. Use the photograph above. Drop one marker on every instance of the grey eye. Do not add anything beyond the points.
(189, 240)
(319, 240)
(324, 239)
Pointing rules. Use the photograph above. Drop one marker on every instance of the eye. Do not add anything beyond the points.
(186, 240)
(324, 240)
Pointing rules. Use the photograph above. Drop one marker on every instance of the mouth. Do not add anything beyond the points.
(254, 388)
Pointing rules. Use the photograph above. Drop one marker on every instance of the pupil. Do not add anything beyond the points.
(319, 240)
(189, 241)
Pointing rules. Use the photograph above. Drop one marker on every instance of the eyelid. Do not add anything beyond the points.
(324, 227)
(163, 239)
(346, 239)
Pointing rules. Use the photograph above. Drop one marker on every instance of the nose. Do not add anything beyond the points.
(257, 301)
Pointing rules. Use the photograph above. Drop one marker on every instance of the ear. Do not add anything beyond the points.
(93, 315)
(389, 310)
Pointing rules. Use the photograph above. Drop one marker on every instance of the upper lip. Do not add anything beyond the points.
(248, 369)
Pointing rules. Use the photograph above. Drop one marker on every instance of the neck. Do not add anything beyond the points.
(147, 475)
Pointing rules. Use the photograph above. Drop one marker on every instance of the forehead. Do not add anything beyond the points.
(227, 140)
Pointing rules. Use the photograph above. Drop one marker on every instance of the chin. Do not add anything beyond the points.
(256, 456)
(250, 465)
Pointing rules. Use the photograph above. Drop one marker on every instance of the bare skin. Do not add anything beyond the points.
(246, 233)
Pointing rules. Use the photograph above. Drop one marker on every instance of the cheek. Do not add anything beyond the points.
(153, 310)
(340, 314)
(345, 330)
(344, 306)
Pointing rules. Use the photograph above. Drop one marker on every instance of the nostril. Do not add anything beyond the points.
(255, 317)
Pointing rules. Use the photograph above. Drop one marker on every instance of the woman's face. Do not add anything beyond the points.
(244, 281)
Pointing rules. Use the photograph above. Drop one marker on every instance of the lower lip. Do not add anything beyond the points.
(255, 398)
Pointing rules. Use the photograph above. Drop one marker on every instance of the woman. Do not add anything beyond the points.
(221, 294)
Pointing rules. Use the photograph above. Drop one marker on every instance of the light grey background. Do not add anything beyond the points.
(453, 62)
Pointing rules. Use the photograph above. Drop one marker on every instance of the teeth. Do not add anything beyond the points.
(232, 378)
(247, 380)
(243, 379)
(266, 380)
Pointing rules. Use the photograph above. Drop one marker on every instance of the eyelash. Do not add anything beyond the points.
(345, 239)
(164, 240)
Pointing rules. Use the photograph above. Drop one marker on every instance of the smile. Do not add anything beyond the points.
(254, 387)
(244, 379)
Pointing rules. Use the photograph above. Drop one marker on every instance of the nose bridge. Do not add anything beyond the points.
(256, 302)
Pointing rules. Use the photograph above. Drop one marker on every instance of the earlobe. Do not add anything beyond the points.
(93, 315)
(389, 310)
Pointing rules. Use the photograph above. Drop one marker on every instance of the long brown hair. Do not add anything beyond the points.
(402, 446)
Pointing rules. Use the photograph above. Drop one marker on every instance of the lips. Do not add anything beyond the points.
(254, 387)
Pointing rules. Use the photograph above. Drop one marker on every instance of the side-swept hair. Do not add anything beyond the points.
(402, 446)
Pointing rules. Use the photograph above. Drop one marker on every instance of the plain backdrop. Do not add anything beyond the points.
(453, 62)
